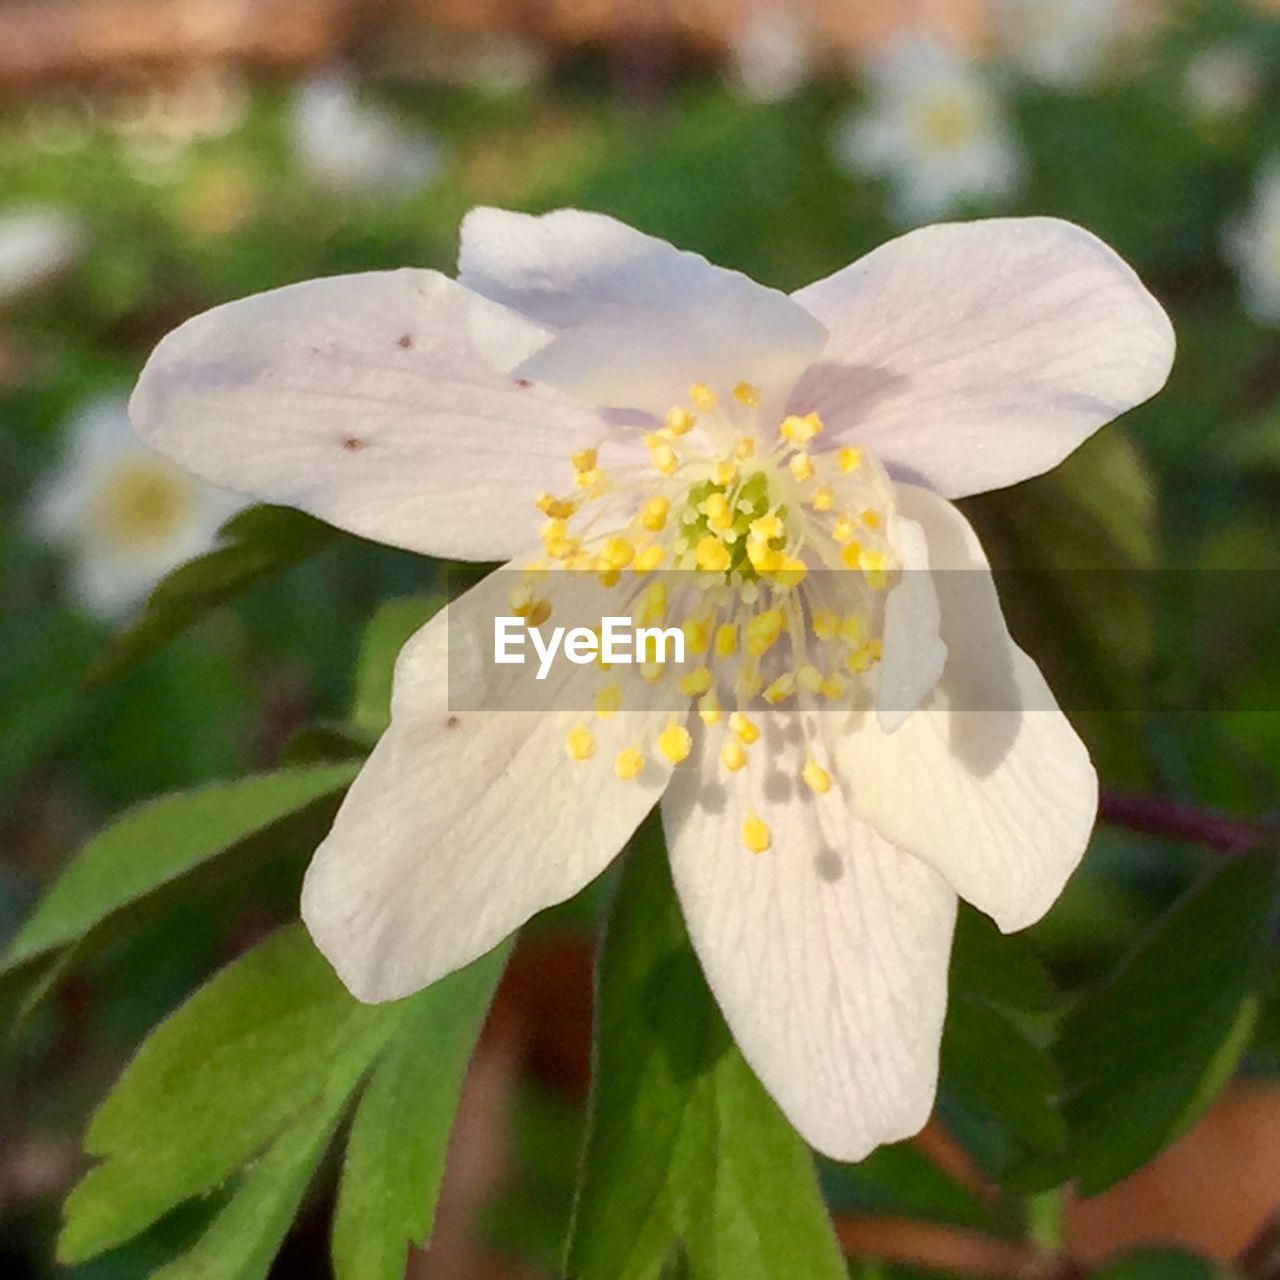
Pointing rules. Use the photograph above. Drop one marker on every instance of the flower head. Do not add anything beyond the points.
(771, 53)
(1223, 80)
(1252, 245)
(934, 127)
(858, 739)
(124, 514)
(37, 243)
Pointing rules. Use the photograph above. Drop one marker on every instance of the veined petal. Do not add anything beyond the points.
(914, 653)
(464, 823)
(636, 320)
(828, 953)
(973, 355)
(986, 781)
(363, 400)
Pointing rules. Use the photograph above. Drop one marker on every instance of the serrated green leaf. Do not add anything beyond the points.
(684, 1143)
(383, 639)
(267, 1038)
(158, 843)
(1146, 1052)
(395, 1155)
(253, 545)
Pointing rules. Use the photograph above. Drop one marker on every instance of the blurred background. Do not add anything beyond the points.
(160, 156)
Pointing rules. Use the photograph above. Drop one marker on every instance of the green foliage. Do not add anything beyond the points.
(684, 1144)
(1160, 1264)
(255, 544)
(384, 637)
(1145, 1053)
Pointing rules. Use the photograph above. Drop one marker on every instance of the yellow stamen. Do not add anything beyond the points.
(849, 458)
(781, 689)
(842, 529)
(709, 708)
(674, 742)
(650, 558)
(816, 778)
(724, 473)
(726, 640)
(608, 700)
(702, 396)
(629, 763)
(712, 555)
(801, 466)
(746, 729)
(584, 460)
(733, 755)
(745, 393)
(654, 515)
(580, 743)
(558, 508)
(823, 498)
(695, 682)
(809, 678)
(745, 448)
(680, 421)
(618, 553)
(696, 638)
(826, 622)
(719, 513)
(755, 834)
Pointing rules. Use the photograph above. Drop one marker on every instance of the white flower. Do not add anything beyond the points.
(355, 146)
(933, 126)
(124, 514)
(770, 54)
(1223, 80)
(1061, 43)
(1252, 245)
(37, 243)
(587, 396)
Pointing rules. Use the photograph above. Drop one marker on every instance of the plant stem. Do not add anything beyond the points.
(1221, 832)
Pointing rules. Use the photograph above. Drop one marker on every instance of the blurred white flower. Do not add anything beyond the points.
(37, 242)
(1252, 245)
(770, 54)
(352, 145)
(1060, 43)
(123, 514)
(502, 63)
(933, 126)
(1223, 80)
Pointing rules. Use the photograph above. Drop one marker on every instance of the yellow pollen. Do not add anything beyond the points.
(852, 555)
(709, 708)
(871, 518)
(781, 689)
(745, 393)
(755, 834)
(702, 396)
(654, 515)
(680, 421)
(696, 638)
(663, 455)
(618, 553)
(746, 729)
(766, 527)
(809, 678)
(695, 682)
(588, 479)
(608, 700)
(674, 742)
(763, 630)
(580, 743)
(853, 629)
(826, 622)
(557, 508)
(655, 602)
(534, 612)
(745, 448)
(842, 530)
(724, 473)
(629, 763)
(733, 755)
(791, 572)
(650, 558)
(719, 513)
(823, 498)
(607, 574)
(726, 640)
(651, 671)
(833, 687)
(712, 555)
(584, 460)
(816, 778)
(801, 466)
(849, 458)
(764, 559)
(863, 658)
(750, 681)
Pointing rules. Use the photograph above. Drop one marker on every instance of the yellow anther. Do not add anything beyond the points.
(791, 572)
(535, 613)
(608, 700)
(766, 527)
(711, 554)
(842, 529)
(726, 640)
(745, 448)
(809, 678)
(650, 558)
(651, 671)
(618, 553)
(674, 742)
(853, 629)
(849, 458)
(782, 688)
(864, 658)
(580, 743)
(764, 559)
(663, 455)
(852, 555)
(695, 682)
(696, 636)
(823, 498)
(654, 602)
(816, 778)
(557, 508)
(680, 421)
(763, 630)
(719, 513)
(654, 514)
(833, 688)
(872, 518)
(755, 834)
(629, 763)
(801, 466)
(826, 622)
(750, 681)
(702, 396)
(875, 568)
(607, 574)
(584, 460)
(875, 646)
(746, 729)
(709, 708)
(724, 473)
(733, 755)
(799, 430)
(745, 393)
(564, 549)
(816, 424)
(588, 479)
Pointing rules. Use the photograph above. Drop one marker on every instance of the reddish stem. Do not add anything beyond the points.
(1221, 832)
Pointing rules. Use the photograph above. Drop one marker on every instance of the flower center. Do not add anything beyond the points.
(768, 550)
(946, 121)
(142, 503)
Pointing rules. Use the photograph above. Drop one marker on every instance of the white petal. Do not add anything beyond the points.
(914, 654)
(969, 356)
(828, 953)
(637, 321)
(362, 400)
(464, 823)
(986, 781)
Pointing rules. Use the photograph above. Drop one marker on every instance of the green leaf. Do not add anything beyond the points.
(684, 1143)
(384, 637)
(255, 544)
(1144, 1054)
(1159, 1264)
(161, 842)
(395, 1155)
(267, 1040)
